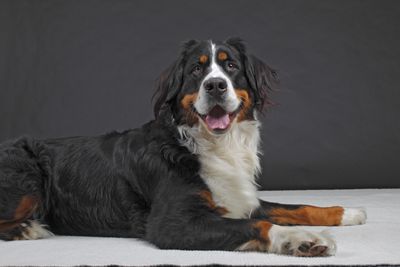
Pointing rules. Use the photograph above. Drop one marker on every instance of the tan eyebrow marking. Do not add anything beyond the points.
(203, 59)
(222, 56)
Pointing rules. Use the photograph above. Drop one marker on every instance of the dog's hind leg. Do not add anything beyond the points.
(21, 192)
(287, 214)
(22, 225)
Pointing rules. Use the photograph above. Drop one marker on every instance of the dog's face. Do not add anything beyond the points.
(214, 85)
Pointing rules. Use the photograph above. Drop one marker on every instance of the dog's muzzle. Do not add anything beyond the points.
(217, 88)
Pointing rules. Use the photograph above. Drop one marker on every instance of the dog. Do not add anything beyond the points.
(185, 180)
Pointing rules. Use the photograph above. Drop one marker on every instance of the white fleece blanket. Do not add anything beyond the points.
(377, 242)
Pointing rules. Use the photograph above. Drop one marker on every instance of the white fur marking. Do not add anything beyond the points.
(287, 240)
(229, 164)
(202, 104)
(34, 230)
(354, 216)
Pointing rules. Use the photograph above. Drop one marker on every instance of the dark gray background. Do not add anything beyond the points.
(88, 67)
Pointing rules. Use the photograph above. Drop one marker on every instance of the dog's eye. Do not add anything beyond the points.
(196, 70)
(231, 66)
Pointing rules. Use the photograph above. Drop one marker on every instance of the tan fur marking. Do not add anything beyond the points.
(308, 215)
(222, 56)
(187, 103)
(8, 225)
(207, 196)
(245, 98)
(25, 209)
(203, 59)
(263, 228)
(188, 100)
(262, 242)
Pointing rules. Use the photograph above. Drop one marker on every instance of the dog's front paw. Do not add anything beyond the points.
(296, 242)
(353, 216)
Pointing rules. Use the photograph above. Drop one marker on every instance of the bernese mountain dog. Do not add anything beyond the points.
(186, 180)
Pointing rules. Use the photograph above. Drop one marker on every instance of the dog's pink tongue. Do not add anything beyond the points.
(218, 123)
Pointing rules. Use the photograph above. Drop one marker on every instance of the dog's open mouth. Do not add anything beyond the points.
(218, 120)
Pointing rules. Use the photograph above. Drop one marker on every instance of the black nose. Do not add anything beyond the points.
(216, 86)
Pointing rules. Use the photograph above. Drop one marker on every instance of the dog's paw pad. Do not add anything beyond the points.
(310, 249)
(319, 250)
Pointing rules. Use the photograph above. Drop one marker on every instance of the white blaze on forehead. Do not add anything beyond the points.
(216, 70)
(204, 103)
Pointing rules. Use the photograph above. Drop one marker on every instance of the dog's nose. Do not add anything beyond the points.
(216, 86)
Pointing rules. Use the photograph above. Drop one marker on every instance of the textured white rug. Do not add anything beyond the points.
(377, 242)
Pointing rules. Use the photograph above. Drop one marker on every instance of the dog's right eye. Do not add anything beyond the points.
(197, 70)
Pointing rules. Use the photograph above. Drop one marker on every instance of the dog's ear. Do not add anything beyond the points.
(167, 86)
(262, 79)
(260, 76)
(170, 81)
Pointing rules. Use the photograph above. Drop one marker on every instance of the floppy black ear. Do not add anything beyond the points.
(262, 79)
(170, 81)
(260, 76)
(168, 86)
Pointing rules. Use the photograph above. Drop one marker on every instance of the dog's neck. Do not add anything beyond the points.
(229, 164)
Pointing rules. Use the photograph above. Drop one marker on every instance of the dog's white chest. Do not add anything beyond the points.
(231, 190)
(229, 166)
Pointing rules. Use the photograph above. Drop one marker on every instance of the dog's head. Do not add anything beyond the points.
(214, 85)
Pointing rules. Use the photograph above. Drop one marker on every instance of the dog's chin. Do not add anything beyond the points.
(218, 121)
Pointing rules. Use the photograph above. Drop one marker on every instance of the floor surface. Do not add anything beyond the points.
(376, 242)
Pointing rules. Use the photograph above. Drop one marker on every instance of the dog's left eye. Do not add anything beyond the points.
(231, 66)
